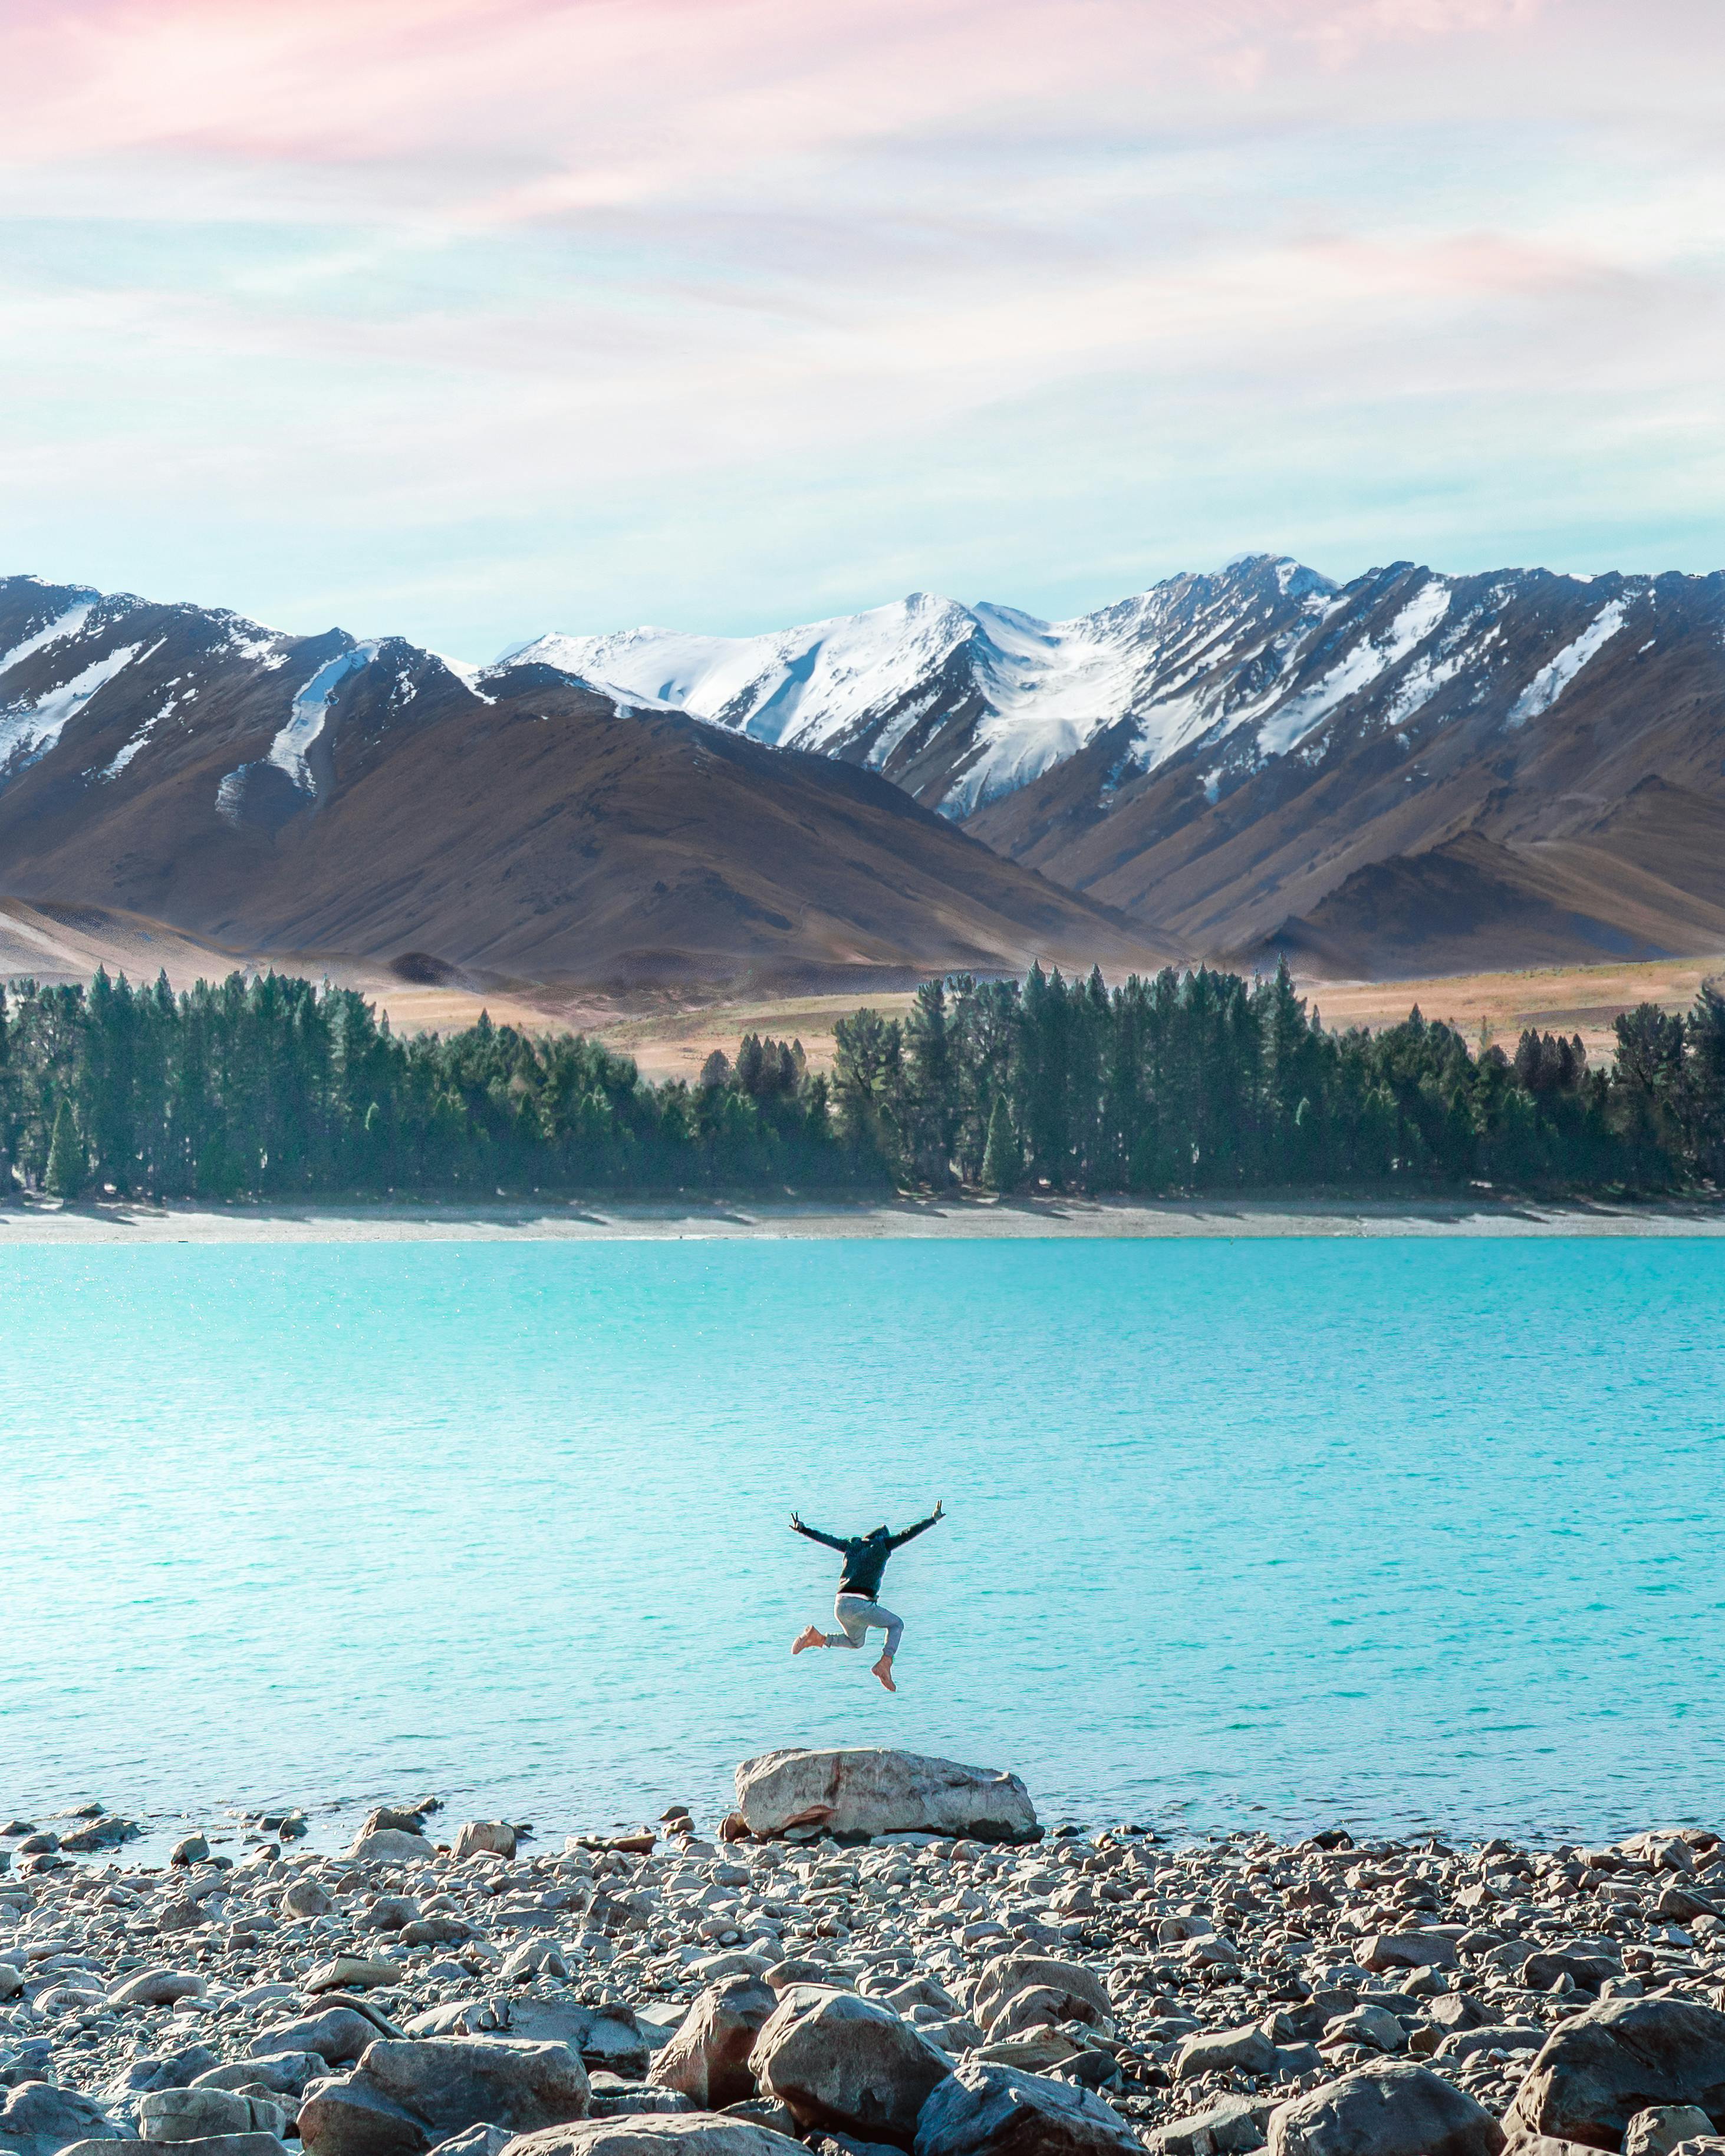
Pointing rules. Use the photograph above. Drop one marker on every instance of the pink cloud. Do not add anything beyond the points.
(593, 86)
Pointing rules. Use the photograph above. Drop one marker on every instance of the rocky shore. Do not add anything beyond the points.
(873, 1952)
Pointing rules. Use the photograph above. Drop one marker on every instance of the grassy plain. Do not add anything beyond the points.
(1486, 1007)
(670, 1036)
(1490, 1006)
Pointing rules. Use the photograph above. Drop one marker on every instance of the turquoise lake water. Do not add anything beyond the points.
(1273, 1532)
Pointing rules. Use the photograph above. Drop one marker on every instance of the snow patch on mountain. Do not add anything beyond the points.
(289, 751)
(1225, 662)
(794, 688)
(1549, 683)
(467, 673)
(310, 713)
(141, 739)
(1365, 662)
(1047, 688)
(247, 640)
(28, 730)
(68, 624)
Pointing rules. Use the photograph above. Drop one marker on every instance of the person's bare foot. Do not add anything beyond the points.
(811, 1636)
(883, 1670)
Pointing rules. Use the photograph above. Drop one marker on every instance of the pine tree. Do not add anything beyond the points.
(1706, 1087)
(932, 1099)
(1289, 1139)
(1045, 1045)
(1001, 1169)
(65, 1156)
(751, 1062)
(1648, 1090)
(868, 1084)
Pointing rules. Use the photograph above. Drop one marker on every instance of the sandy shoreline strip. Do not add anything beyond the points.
(33, 1224)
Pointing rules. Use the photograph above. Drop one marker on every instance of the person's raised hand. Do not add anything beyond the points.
(940, 1510)
(795, 1521)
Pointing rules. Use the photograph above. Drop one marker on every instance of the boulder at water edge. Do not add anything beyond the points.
(155, 2070)
(1231, 2126)
(614, 2098)
(213, 2145)
(613, 2037)
(869, 1791)
(345, 2116)
(1604, 2065)
(1244, 2049)
(1662, 2129)
(484, 1838)
(283, 2073)
(1385, 2111)
(346, 1971)
(157, 1987)
(1402, 1951)
(992, 2111)
(477, 2141)
(391, 1845)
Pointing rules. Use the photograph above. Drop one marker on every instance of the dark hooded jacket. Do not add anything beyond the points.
(864, 1555)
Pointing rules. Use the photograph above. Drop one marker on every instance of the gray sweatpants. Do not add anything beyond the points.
(856, 1613)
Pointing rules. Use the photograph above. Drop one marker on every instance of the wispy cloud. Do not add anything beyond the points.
(473, 319)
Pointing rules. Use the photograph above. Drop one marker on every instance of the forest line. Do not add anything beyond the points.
(1200, 1081)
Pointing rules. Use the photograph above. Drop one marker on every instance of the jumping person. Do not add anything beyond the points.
(855, 1606)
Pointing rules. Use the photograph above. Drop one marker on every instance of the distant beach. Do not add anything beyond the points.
(32, 1222)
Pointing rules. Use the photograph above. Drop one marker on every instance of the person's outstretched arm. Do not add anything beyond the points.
(816, 1535)
(922, 1528)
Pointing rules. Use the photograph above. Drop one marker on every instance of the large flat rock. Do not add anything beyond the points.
(869, 1791)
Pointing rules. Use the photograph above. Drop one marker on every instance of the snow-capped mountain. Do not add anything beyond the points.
(79, 667)
(1434, 772)
(1220, 755)
(369, 799)
(961, 704)
(1226, 762)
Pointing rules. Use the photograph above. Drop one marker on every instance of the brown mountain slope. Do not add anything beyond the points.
(365, 800)
(1224, 842)
(55, 944)
(1646, 880)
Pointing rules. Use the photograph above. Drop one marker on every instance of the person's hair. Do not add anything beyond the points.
(883, 1529)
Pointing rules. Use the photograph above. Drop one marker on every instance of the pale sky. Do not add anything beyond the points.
(472, 319)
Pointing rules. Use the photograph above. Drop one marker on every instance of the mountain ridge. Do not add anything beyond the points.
(1210, 767)
(956, 703)
(1526, 716)
(1223, 757)
(361, 796)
